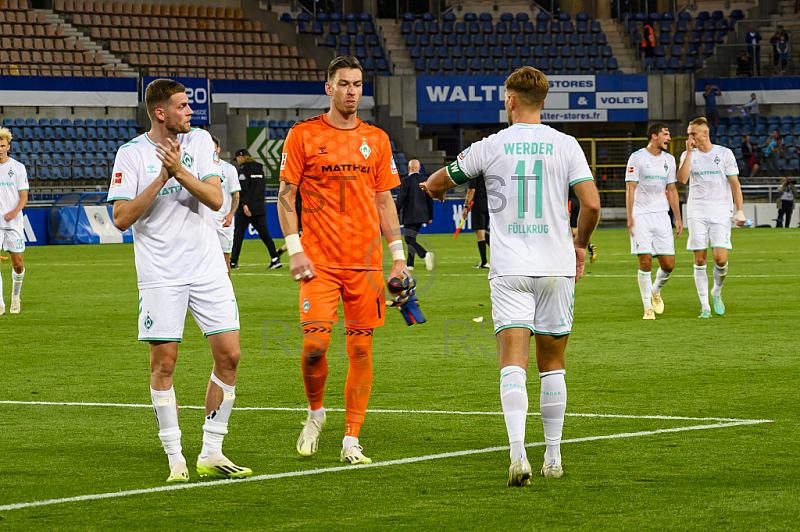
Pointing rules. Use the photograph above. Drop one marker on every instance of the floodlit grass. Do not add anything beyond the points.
(75, 341)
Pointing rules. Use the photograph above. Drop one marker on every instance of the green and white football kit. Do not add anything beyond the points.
(652, 227)
(13, 180)
(528, 169)
(178, 263)
(230, 185)
(709, 205)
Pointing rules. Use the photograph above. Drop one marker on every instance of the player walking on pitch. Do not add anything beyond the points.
(13, 197)
(713, 177)
(649, 180)
(529, 168)
(160, 179)
(344, 171)
(222, 220)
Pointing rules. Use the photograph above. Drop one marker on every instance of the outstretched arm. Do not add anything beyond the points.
(438, 183)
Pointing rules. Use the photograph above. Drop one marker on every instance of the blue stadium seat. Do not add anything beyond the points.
(708, 49)
(28, 133)
(597, 63)
(501, 28)
(528, 28)
(449, 17)
(461, 65)
(697, 38)
(19, 122)
(574, 40)
(587, 39)
(473, 28)
(579, 51)
(457, 52)
(49, 132)
(555, 27)
(485, 17)
(8, 122)
(722, 130)
(447, 28)
(606, 51)
(406, 28)
(434, 65)
(492, 40)
(593, 51)
(679, 38)
(511, 51)
(254, 123)
(543, 64)
(433, 28)
(552, 52)
(565, 51)
(442, 52)
(547, 39)
(514, 28)
(612, 64)
(489, 64)
(506, 40)
(470, 52)
(664, 39)
(674, 63)
(451, 40)
(600, 39)
(541, 27)
(567, 27)
(424, 40)
(675, 51)
(429, 52)
(571, 64)
(447, 65)
(661, 63)
(533, 39)
(484, 52)
(736, 130)
(345, 40)
(525, 51)
(475, 65)
(30, 122)
(502, 65)
(427, 17)
(497, 52)
(649, 63)
(582, 27)
(460, 28)
(516, 63)
(543, 16)
(560, 40)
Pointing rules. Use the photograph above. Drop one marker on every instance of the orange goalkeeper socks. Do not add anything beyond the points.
(316, 337)
(359, 379)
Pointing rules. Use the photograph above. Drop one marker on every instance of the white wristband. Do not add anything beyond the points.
(293, 244)
(396, 247)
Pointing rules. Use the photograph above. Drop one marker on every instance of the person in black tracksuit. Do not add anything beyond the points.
(480, 216)
(252, 210)
(414, 208)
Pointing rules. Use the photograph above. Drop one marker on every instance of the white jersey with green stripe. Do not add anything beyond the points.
(230, 185)
(172, 242)
(709, 192)
(651, 174)
(528, 169)
(13, 180)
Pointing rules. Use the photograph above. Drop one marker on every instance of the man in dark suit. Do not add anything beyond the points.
(252, 210)
(414, 208)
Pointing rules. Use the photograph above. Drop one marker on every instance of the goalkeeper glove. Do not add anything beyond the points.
(406, 300)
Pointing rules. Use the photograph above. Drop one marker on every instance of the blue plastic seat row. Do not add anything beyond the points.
(504, 65)
(505, 40)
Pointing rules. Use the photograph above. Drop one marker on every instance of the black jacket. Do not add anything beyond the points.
(251, 179)
(413, 205)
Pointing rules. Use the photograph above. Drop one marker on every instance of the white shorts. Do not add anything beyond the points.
(162, 310)
(702, 231)
(225, 235)
(652, 235)
(13, 240)
(541, 304)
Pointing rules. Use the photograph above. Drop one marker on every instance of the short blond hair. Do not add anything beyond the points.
(700, 121)
(5, 135)
(529, 85)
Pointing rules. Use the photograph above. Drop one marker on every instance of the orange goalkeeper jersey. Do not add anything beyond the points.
(339, 172)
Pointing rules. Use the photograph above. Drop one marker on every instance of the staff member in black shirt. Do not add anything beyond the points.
(252, 210)
(480, 216)
(414, 208)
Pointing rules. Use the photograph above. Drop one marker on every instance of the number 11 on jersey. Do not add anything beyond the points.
(522, 191)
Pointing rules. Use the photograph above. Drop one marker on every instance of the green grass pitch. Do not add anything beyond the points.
(656, 453)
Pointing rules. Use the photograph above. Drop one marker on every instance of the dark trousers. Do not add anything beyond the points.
(785, 212)
(259, 221)
(410, 232)
(755, 60)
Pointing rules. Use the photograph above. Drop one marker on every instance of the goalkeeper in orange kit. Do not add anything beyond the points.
(344, 171)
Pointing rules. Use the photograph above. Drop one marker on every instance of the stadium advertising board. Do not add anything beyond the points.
(35, 226)
(479, 100)
(737, 91)
(68, 92)
(257, 94)
(199, 93)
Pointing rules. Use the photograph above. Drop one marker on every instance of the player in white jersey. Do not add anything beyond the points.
(649, 180)
(528, 169)
(222, 220)
(162, 182)
(13, 197)
(713, 177)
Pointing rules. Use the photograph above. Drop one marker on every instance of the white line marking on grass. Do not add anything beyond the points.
(390, 411)
(401, 461)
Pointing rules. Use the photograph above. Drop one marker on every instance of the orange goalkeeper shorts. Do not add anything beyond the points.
(361, 291)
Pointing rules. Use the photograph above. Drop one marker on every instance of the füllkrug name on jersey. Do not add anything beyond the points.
(528, 169)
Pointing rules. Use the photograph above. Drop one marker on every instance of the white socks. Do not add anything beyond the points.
(645, 288)
(216, 425)
(701, 282)
(319, 415)
(719, 279)
(16, 282)
(661, 279)
(553, 405)
(348, 441)
(2, 303)
(514, 398)
(165, 407)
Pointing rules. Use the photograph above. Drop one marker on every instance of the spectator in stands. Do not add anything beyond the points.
(712, 112)
(252, 209)
(752, 108)
(753, 38)
(779, 31)
(787, 195)
(414, 207)
(783, 53)
(648, 41)
(772, 154)
(743, 66)
(749, 149)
